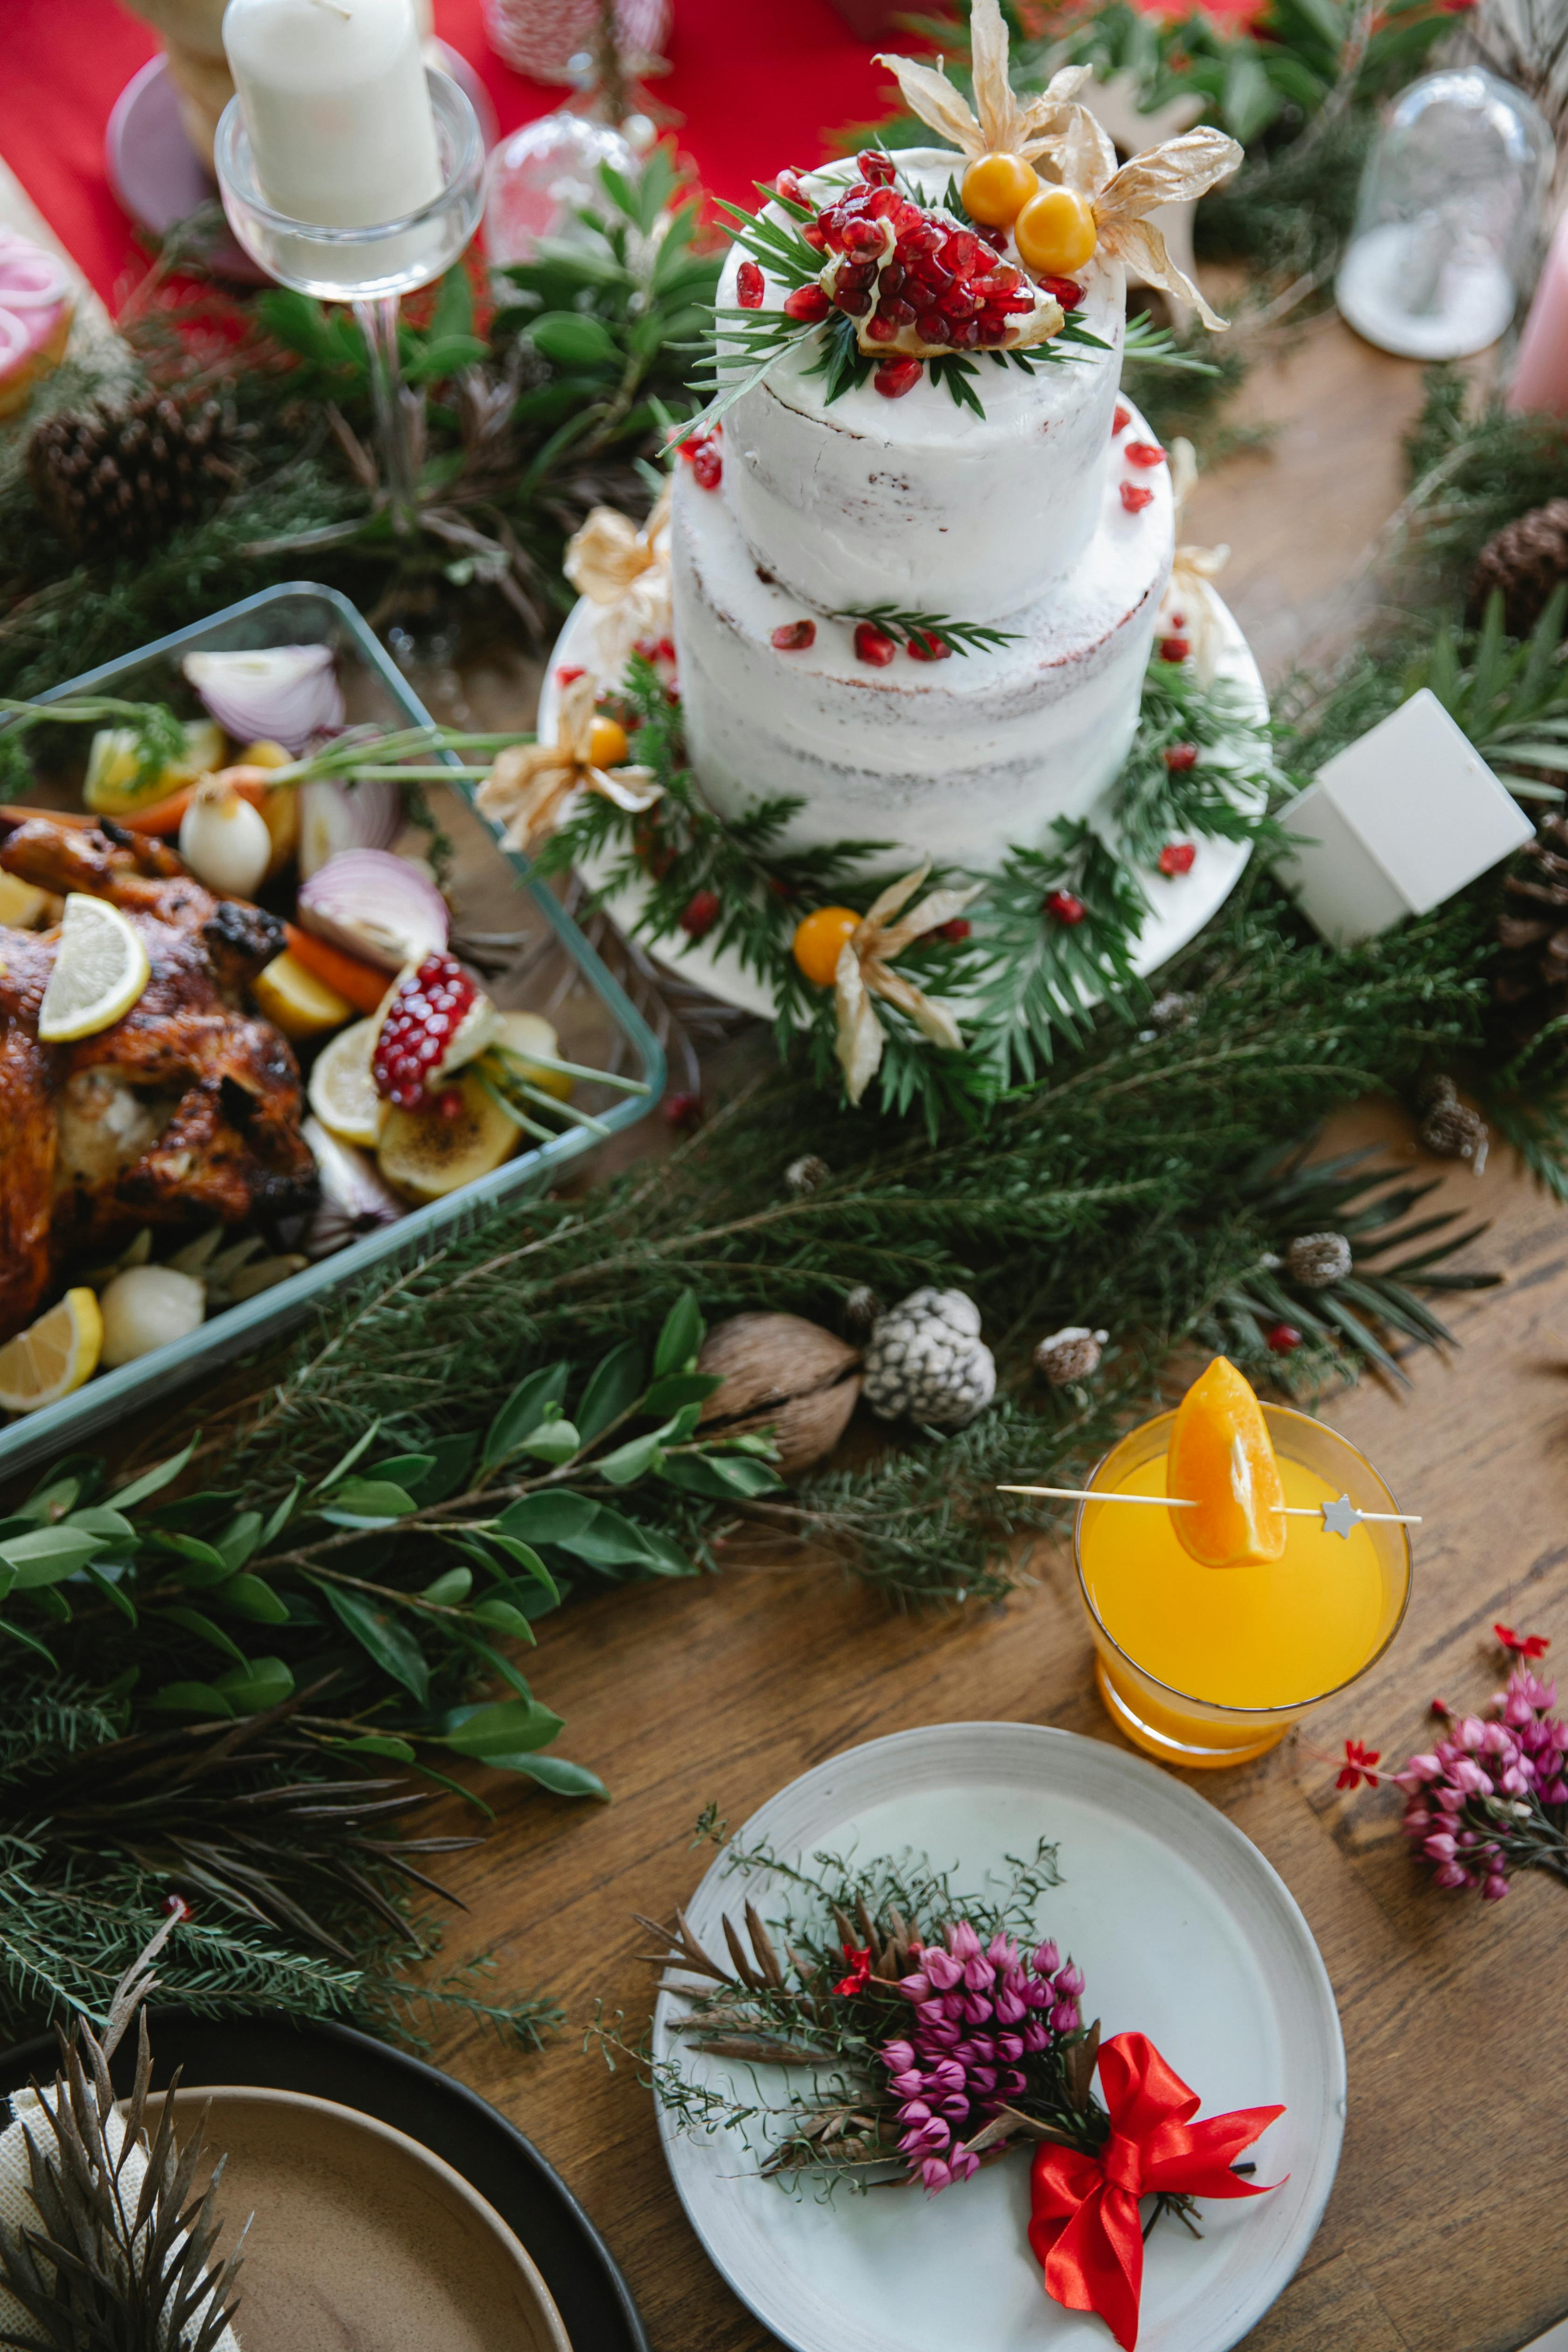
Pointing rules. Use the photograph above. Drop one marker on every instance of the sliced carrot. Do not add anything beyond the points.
(364, 984)
(166, 818)
(12, 813)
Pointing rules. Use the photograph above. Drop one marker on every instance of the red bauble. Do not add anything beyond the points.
(699, 914)
(1176, 858)
(1283, 1337)
(1063, 907)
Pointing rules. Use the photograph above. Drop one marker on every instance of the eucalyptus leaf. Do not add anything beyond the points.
(191, 1698)
(508, 1727)
(193, 1621)
(152, 1482)
(383, 1637)
(503, 1618)
(253, 1688)
(252, 1597)
(554, 1442)
(530, 1402)
(345, 1463)
(48, 1556)
(365, 1503)
(635, 1459)
(554, 1773)
(454, 1586)
(680, 1337)
(614, 1387)
(548, 1518)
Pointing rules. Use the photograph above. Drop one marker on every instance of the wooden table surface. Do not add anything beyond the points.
(1445, 2232)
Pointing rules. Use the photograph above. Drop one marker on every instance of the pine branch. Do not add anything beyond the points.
(901, 625)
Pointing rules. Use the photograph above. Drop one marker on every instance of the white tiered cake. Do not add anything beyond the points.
(1016, 520)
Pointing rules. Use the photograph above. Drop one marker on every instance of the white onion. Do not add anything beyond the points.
(334, 818)
(287, 693)
(146, 1308)
(224, 840)
(376, 907)
(355, 1199)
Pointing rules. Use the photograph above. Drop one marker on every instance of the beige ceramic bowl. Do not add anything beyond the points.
(361, 2239)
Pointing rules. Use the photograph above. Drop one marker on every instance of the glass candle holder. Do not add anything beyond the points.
(1207, 1667)
(371, 267)
(1447, 217)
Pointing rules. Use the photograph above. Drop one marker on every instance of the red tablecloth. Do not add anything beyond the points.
(757, 88)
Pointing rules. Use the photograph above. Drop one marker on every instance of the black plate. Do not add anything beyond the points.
(333, 2062)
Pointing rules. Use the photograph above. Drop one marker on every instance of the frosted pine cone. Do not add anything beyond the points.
(1315, 1260)
(926, 1362)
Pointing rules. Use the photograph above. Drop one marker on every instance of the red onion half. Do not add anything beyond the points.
(376, 907)
(284, 694)
(336, 817)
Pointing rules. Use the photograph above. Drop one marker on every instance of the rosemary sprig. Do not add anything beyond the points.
(901, 625)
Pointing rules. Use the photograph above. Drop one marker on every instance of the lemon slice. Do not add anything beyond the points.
(53, 1356)
(342, 1090)
(99, 971)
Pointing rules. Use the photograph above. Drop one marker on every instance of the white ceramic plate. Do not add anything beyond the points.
(1178, 906)
(1183, 1932)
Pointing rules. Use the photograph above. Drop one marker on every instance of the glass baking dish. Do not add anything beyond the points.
(535, 956)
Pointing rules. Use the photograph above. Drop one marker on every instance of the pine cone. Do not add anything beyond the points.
(1452, 1130)
(119, 481)
(1070, 1354)
(926, 1361)
(1532, 929)
(1315, 1260)
(862, 1307)
(1526, 560)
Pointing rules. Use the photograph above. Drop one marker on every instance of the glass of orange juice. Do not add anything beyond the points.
(1210, 1666)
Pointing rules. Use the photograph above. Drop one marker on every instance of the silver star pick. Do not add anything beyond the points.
(1339, 1518)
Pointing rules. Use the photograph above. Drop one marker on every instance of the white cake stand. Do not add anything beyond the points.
(1178, 906)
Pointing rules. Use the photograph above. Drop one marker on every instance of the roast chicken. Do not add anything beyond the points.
(185, 1112)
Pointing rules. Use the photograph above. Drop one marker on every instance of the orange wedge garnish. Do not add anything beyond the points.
(1222, 1458)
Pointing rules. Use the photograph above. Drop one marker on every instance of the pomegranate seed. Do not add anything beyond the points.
(895, 377)
(699, 914)
(882, 331)
(831, 225)
(1062, 907)
(934, 278)
(892, 279)
(854, 302)
(1175, 649)
(1003, 279)
(962, 252)
(964, 334)
(931, 327)
(863, 236)
(922, 237)
(1283, 1337)
(664, 650)
(788, 183)
(808, 303)
(176, 1907)
(1121, 420)
(684, 1112)
(894, 307)
(569, 673)
(1180, 756)
(996, 238)
(905, 216)
(923, 646)
(873, 645)
(811, 234)
(795, 637)
(748, 285)
(1144, 453)
(882, 203)
(709, 465)
(1135, 498)
(991, 331)
(855, 276)
(874, 166)
(955, 931)
(1065, 290)
(1178, 622)
(1176, 858)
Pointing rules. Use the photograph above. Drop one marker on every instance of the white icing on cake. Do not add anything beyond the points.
(918, 498)
(1014, 519)
(958, 759)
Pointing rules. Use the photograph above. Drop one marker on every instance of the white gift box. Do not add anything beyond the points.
(1396, 824)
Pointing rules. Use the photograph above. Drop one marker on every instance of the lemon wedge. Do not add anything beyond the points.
(296, 1001)
(53, 1356)
(343, 1090)
(100, 970)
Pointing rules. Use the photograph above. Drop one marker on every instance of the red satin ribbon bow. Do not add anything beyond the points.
(1084, 2225)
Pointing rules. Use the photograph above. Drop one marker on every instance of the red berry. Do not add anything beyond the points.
(795, 637)
(1122, 418)
(699, 914)
(881, 331)
(567, 675)
(1064, 290)
(955, 931)
(923, 646)
(879, 169)
(664, 650)
(416, 1036)
(873, 645)
(1135, 498)
(748, 285)
(1144, 453)
(1180, 756)
(895, 377)
(1176, 858)
(931, 327)
(1063, 907)
(1283, 1337)
(709, 465)
(684, 1112)
(853, 300)
(808, 303)
(788, 183)
(177, 1906)
(1175, 649)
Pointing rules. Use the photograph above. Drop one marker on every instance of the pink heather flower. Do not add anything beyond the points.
(935, 2174)
(1010, 2047)
(1065, 2017)
(1448, 1874)
(1467, 1774)
(962, 1941)
(1011, 2008)
(899, 2055)
(1469, 1732)
(1440, 1846)
(943, 1969)
(1068, 1981)
(1419, 1769)
(1496, 1887)
(909, 2083)
(946, 2076)
(1046, 1960)
(963, 2166)
(1036, 2036)
(916, 1985)
(1003, 1949)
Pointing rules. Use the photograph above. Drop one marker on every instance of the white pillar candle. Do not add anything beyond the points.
(336, 108)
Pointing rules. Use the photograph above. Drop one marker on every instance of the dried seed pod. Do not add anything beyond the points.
(862, 1307)
(1452, 1130)
(781, 1374)
(1315, 1260)
(1070, 1354)
(806, 1174)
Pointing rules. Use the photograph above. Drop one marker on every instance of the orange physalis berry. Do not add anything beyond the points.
(607, 745)
(819, 940)
(997, 187)
(1055, 232)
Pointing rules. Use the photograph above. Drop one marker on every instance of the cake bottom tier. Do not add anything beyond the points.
(957, 760)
